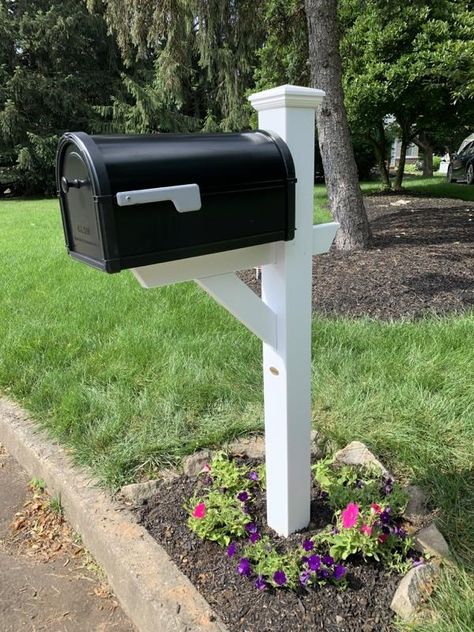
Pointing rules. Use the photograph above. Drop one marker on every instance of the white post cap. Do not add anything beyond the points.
(287, 96)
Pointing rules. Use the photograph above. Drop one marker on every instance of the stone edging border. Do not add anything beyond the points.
(150, 588)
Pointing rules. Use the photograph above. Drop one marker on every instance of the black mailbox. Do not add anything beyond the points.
(129, 201)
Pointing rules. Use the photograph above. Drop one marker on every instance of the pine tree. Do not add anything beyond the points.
(200, 57)
(56, 65)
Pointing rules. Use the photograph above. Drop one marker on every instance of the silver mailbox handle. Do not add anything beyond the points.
(185, 197)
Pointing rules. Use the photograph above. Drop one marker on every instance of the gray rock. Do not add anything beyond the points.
(194, 463)
(136, 493)
(416, 507)
(356, 453)
(318, 445)
(431, 541)
(251, 447)
(414, 588)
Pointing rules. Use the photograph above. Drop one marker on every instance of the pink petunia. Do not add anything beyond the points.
(199, 511)
(367, 529)
(383, 537)
(376, 508)
(350, 515)
(205, 468)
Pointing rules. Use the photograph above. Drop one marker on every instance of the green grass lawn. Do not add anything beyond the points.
(133, 379)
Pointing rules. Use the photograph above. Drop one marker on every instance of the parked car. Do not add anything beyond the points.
(461, 167)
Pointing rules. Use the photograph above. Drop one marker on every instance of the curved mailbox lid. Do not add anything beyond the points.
(216, 162)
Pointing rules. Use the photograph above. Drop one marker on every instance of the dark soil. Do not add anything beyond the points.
(421, 262)
(363, 607)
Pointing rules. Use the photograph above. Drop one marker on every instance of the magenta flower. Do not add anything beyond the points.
(350, 515)
(244, 567)
(232, 549)
(366, 529)
(308, 545)
(279, 578)
(199, 511)
(375, 508)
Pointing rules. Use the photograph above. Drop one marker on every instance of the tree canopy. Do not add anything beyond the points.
(56, 64)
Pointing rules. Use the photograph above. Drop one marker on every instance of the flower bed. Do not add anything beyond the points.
(340, 573)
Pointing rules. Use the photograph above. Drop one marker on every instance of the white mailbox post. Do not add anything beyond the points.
(282, 318)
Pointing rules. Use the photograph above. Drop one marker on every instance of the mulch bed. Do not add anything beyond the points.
(421, 262)
(363, 607)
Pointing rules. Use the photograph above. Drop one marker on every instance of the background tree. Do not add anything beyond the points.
(203, 55)
(414, 62)
(56, 64)
(345, 196)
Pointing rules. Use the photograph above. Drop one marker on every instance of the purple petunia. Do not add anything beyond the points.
(244, 567)
(254, 537)
(232, 549)
(243, 496)
(385, 516)
(327, 560)
(387, 487)
(314, 562)
(251, 527)
(279, 578)
(260, 583)
(253, 476)
(399, 532)
(339, 571)
(322, 573)
(308, 545)
(304, 577)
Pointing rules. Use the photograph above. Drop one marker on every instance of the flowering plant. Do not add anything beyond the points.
(367, 512)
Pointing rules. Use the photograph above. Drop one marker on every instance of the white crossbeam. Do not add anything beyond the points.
(243, 303)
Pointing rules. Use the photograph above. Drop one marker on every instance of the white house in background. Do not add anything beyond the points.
(411, 155)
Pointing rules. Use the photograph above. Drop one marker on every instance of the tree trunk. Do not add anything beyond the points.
(401, 164)
(424, 144)
(379, 145)
(345, 197)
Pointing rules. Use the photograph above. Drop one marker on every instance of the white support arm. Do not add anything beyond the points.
(233, 294)
(323, 235)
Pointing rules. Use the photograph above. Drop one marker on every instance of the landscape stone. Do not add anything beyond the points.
(136, 493)
(194, 463)
(431, 541)
(318, 445)
(356, 453)
(416, 507)
(250, 447)
(254, 447)
(415, 587)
